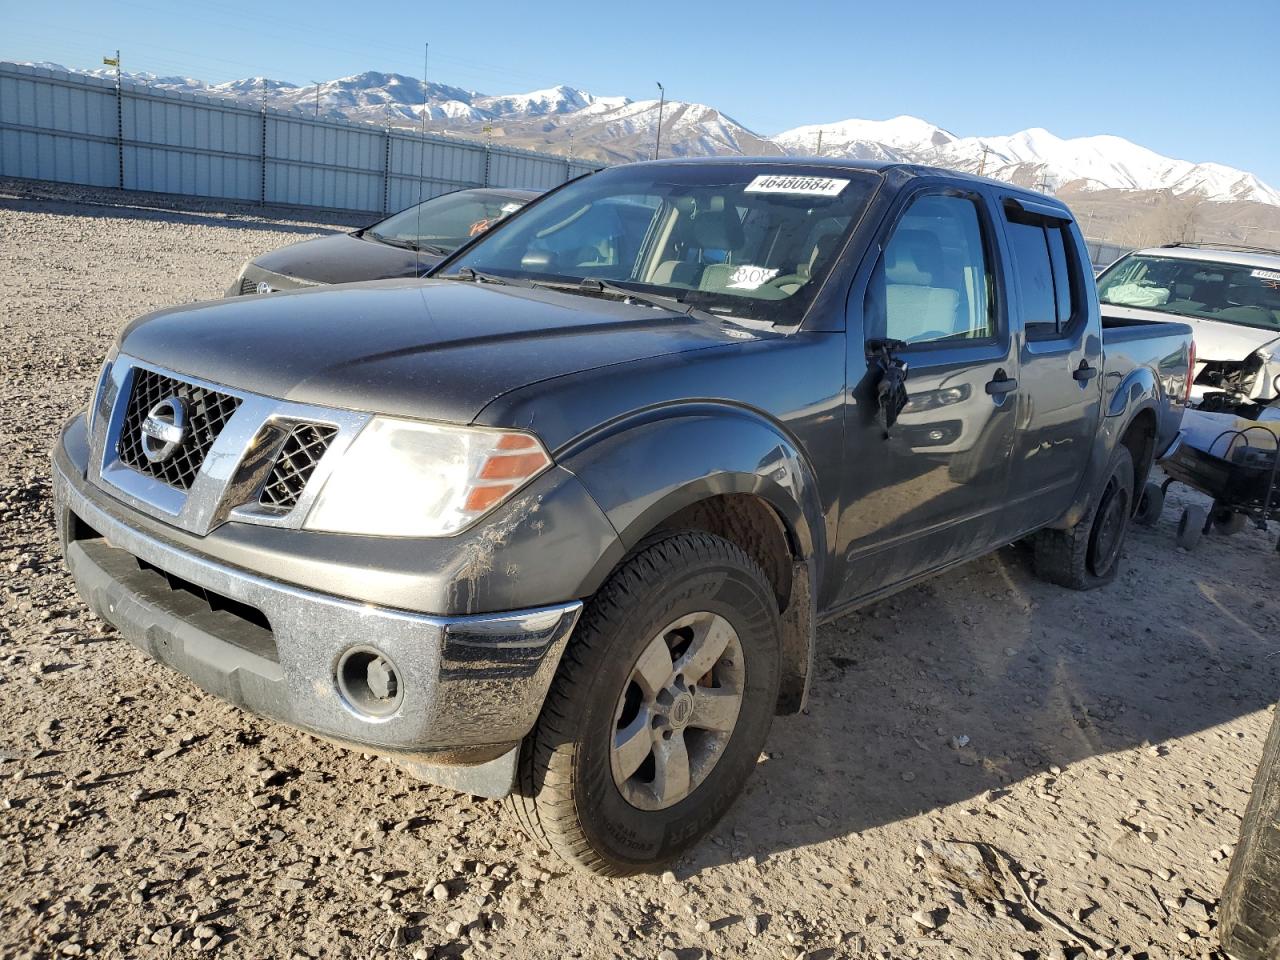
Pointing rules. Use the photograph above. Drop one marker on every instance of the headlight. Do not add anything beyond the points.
(402, 478)
(98, 397)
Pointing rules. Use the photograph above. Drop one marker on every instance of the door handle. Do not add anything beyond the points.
(1084, 373)
(1001, 384)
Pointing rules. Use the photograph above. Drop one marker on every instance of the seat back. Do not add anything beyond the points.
(921, 306)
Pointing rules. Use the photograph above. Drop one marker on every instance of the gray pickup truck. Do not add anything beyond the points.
(558, 522)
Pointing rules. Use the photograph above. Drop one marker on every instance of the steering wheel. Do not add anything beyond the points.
(779, 282)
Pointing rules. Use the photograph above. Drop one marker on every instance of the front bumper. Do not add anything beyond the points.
(471, 686)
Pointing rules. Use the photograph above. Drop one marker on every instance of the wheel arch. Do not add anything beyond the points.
(1140, 438)
(732, 473)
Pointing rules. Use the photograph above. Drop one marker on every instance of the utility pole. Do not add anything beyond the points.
(317, 83)
(115, 62)
(662, 100)
(422, 150)
(818, 152)
(982, 164)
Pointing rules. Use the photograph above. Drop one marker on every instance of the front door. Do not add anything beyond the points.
(925, 494)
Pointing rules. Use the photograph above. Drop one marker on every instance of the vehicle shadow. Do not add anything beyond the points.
(302, 221)
(985, 676)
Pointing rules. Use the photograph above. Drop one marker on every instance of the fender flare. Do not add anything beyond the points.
(1139, 391)
(648, 466)
(1136, 391)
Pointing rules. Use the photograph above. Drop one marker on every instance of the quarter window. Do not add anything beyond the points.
(932, 282)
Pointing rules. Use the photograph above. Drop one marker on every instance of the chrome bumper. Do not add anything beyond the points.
(471, 686)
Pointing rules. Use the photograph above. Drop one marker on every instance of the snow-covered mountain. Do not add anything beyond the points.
(1030, 157)
(566, 119)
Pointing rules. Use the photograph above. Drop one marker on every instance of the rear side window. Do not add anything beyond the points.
(932, 282)
(1045, 261)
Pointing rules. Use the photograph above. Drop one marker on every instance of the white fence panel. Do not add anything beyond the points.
(78, 129)
(54, 128)
(197, 146)
(424, 167)
(526, 171)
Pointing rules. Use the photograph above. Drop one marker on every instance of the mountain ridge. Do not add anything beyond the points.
(566, 119)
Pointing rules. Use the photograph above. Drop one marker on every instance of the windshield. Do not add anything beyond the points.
(446, 222)
(1227, 292)
(752, 241)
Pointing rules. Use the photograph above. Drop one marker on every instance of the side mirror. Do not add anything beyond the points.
(891, 381)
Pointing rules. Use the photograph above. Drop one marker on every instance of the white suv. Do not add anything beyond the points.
(1231, 298)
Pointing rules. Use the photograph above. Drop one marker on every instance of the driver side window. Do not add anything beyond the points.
(932, 282)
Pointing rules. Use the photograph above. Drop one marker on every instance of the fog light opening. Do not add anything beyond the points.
(369, 682)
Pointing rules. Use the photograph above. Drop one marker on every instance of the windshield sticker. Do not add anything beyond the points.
(747, 277)
(1265, 274)
(509, 208)
(802, 186)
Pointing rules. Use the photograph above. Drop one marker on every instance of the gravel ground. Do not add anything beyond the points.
(990, 766)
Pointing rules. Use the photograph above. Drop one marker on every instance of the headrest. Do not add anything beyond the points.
(716, 226)
(820, 246)
(1256, 296)
(914, 257)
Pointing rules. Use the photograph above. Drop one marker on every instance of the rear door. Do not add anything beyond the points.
(925, 494)
(1060, 400)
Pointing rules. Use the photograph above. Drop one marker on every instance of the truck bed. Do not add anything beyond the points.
(1135, 348)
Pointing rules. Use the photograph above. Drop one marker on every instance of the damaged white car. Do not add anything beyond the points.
(1231, 298)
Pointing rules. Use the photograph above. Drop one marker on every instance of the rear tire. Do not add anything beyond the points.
(570, 794)
(1191, 526)
(1088, 555)
(1150, 506)
(1250, 914)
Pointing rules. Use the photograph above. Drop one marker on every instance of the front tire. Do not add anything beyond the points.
(659, 709)
(1088, 555)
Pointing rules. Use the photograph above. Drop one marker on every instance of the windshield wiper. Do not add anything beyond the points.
(475, 276)
(390, 241)
(591, 286)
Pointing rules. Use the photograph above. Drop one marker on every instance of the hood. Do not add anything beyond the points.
(345, 258)
(1215, 340)
(430, 349)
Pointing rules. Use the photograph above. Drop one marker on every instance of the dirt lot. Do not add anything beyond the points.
(990, 766)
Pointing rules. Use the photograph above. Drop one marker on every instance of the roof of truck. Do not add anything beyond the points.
(874, 166)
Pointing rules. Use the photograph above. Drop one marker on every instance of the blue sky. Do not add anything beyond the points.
(1191, 80)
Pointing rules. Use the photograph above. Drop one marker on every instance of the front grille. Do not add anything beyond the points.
(207, 414)
(298, 458)
(248, 286)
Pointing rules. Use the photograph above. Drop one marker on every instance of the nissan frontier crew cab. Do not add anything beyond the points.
(558, 522)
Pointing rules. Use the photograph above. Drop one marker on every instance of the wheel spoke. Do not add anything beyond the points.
(710, 637)
(632, 745)
(671, 767)
(653, 671)
(715, 709)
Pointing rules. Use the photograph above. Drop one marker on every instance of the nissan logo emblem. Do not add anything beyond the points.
(164, 429)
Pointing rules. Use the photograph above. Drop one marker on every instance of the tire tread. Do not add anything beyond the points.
(544, 803)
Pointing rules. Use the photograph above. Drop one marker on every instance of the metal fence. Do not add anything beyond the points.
(81, 129)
